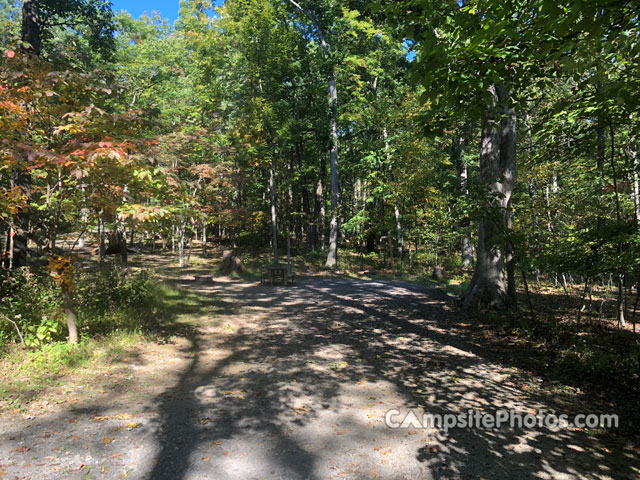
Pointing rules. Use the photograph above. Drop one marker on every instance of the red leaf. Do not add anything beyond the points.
(22, 449)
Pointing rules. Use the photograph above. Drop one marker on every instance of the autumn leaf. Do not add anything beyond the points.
(106, 440)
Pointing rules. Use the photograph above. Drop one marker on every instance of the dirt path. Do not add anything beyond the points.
(293, 383)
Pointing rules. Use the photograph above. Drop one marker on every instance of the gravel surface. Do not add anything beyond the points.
(294, 382)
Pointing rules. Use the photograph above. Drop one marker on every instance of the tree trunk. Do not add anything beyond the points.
(399, 234)
(288, 251)
(396, 209)
(101, 245)
(508, 166)
(181, 229)
(332, 255)
(633, 153)
(69, 314)
(83, 218)
(463, 175)
(274, 215)
(600, 152)
(487, 287)
(31, 26)
(12, 234)
(204, 237)
(321, 208)
(621, 274)
(30, 35)
(123, 246)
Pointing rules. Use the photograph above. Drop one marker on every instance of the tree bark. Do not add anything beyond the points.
(274, 215)
(181, 229)
(69, 313)
(463, 175)
(633, 153)
(487, 287)
(204, 237)
(321, 208)
(332, 254)
(31, 26)
(508, 125)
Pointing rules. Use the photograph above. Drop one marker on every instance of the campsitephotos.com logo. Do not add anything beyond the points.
(475, 419)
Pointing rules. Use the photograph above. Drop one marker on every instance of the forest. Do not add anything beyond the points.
(486, 150)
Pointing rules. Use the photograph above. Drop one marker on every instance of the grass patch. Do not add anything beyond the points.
(160, 314)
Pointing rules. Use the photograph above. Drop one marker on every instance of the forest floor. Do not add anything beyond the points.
(293, 382)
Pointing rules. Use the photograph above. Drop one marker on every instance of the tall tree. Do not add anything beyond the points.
(308, 10)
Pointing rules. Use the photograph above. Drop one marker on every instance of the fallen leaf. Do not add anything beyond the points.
(206, 459)
(22, 449)
(106, 440)
(225, 453)
(116, 455)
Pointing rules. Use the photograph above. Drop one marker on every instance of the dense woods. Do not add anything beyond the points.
(449, 192)
(493, 141)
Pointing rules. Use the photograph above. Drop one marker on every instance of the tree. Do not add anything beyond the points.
(309, 11)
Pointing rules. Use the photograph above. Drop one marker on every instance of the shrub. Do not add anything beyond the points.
(31, 300)
(115, 299)
(107, 300)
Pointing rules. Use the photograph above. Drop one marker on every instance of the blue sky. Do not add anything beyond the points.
(168, 8)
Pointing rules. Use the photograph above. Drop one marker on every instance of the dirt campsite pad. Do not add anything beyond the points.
(294, 383)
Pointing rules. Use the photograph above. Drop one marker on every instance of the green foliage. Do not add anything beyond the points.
(32, 301)
(108, 300)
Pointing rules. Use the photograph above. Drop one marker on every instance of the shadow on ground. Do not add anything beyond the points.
(294, 382)
(303, 385)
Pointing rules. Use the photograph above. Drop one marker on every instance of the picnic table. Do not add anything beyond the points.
(278, 272)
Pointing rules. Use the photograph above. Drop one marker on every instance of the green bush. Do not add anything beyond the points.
(115, 299)
(32, 300)
(107, 300)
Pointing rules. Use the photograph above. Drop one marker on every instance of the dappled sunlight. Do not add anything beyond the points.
(295, 382)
